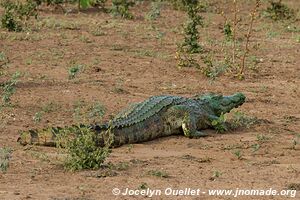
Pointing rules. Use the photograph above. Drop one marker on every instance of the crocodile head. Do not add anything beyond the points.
(223, 104)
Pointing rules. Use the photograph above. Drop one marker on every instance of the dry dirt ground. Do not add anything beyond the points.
(126, 61)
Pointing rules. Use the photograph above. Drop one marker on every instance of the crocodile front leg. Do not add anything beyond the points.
(189, 127)
(182, 117)
(211, 118)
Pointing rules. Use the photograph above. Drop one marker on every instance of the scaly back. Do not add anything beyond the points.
(141, 111)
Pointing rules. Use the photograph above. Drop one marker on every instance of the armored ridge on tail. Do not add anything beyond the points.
(155, 117)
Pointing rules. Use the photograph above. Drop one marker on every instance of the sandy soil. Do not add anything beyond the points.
(127, 61)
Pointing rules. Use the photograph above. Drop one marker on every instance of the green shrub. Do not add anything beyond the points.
(121, 8)
(98, 3)
(181, 5)
(190, 43)
(279, 11)
(83, 151)
(16, 14)
(191, 34)
(9, 19)
(81, 3)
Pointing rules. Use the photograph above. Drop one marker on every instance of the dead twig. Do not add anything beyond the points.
(246, 51)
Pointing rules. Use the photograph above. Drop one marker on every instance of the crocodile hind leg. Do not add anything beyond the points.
(182, 117)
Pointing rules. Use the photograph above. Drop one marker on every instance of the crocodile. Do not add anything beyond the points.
(155, 117)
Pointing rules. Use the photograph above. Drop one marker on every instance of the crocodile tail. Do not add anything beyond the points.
(44, 137)
(55, 136)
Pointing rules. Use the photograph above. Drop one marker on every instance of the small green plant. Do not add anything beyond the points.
(143, 186)
(85, 39)
(78, 112)
(297, 38)
(293, 186)
(121, 8)
(158, 173)
(5, 154)
(74, 70)
(37, 117)
(121, 166)
(129, 148)
(295, 141)
(3, 60)
(16, 14)
(228, 31)
(28, 61)
(290, 118)
(220, 124)
(255, 147)
(216, 174)
(50, 107)
(262, 138)
(154, 13)
(279, 11)
(271, 34)
(83, 151)
(238, 154)
(9, 88)
(97, 31)
(209, 66)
